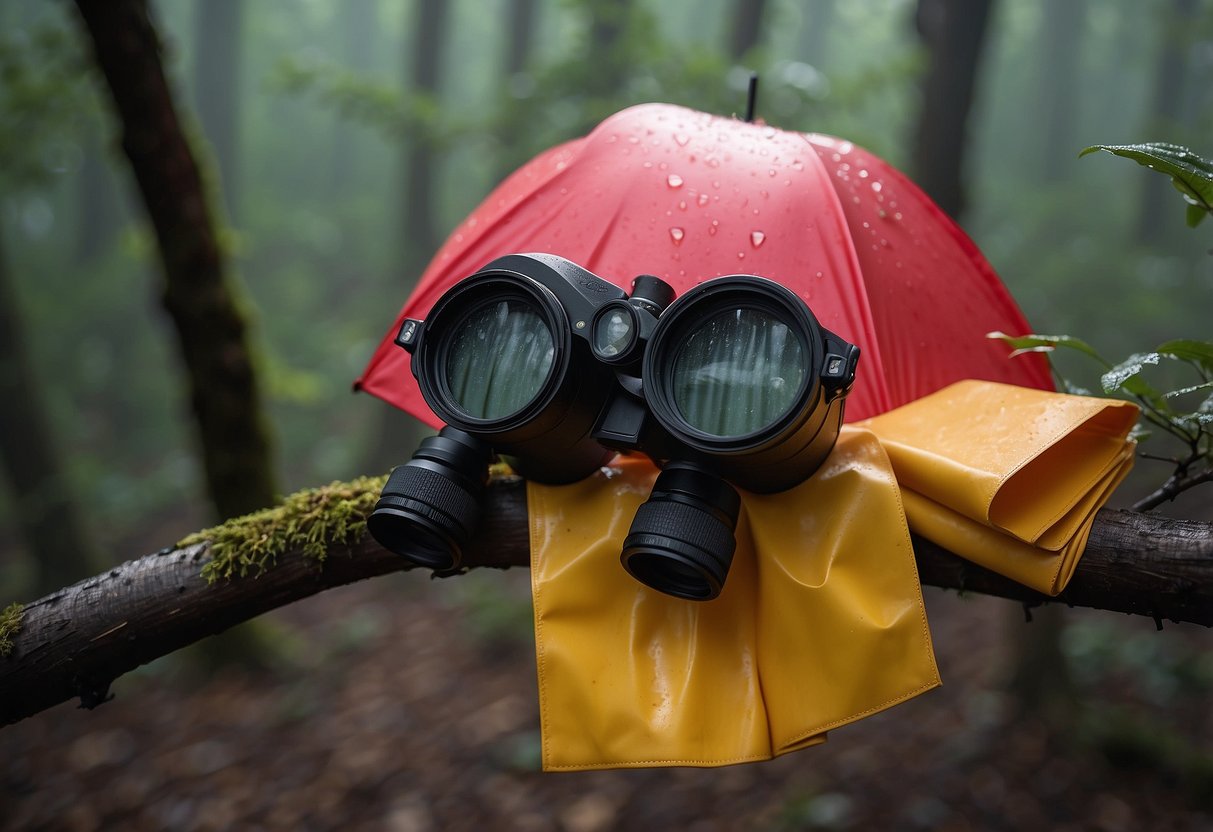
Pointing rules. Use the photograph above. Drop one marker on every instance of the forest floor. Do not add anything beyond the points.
(410, 705)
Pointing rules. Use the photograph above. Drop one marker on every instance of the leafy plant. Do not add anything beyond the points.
(1191, 426)
(1192, 175)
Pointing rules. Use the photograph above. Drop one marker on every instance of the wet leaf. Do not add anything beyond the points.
(1198, 352)
(1174, 394)
(1045, 343)
(1192, 175)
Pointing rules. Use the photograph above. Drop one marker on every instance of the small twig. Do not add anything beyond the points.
(1172, 488)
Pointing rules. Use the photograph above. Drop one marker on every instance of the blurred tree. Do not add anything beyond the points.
(49, 521)
(607, 58)
(520, 28)
(954, 34)
(39, 96)
(210, 326)
(359, 19)
(429, 38)
(1166, 111)
(746, 31)
(101, 209)
(219, 35)
(1061, 30)
(817, 18)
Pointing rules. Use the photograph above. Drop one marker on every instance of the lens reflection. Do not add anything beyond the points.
(737, 372)
(499, 358)
(613, 334)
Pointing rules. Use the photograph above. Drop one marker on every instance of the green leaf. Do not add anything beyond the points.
(1125, 375)
(1046, 343)
(1192, 175)
(1198, 352)
(1174, 394)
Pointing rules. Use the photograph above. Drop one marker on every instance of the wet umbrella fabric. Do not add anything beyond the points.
(687, 196)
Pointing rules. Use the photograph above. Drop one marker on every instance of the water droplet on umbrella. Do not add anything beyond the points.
(771, 171)
(674, 180)
(676, 234)
(681, 139)
(702, 199)
(741, 255)
(797, 165)
(897, 216)
(682, 205)
(863, 174)
(837, 157)
(714, 227)
(876, 186)
(757, 238)
(713, 162)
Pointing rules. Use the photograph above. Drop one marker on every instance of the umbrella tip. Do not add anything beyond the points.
(751, 98)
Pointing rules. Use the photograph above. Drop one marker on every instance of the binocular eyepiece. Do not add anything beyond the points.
(537, 360)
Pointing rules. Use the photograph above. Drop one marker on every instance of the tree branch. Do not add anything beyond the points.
(76, 641)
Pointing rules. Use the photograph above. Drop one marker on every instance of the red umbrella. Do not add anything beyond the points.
(687, 196)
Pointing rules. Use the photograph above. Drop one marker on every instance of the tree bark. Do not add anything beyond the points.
(210, 326)
(954, 33)
(76, 641)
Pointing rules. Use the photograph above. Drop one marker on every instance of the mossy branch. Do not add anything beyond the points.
(76, 641)
(10, 625)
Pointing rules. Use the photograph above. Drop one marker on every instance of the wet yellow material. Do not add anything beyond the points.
(820, 623)
(1008, 477)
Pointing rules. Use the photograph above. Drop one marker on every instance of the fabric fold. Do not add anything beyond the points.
(1008, 477)
(820, 623)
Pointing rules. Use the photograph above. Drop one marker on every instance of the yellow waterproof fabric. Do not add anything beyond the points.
(820, 623)
(1008, 477)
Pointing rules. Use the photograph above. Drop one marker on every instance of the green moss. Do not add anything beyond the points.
(10, 625)
(310, 521)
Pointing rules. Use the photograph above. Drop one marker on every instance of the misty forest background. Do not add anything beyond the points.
(341, 141)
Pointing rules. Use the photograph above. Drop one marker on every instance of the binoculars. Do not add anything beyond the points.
(537, 360)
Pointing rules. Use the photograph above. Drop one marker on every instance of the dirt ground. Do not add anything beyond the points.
(410, 705)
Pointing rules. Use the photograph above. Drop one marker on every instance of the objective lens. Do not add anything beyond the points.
(737, 372)
(499, 357)
(681, 539)
(613, 333)
(430, 506)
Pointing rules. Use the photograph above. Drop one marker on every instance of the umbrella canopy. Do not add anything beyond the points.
(687, 196)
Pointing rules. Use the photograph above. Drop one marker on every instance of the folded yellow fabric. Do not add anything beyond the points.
(1008, 477)
(820, 623)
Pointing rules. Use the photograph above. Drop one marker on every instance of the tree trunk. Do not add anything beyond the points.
(520, 34)
(101, 209)
(818, 19)
(954, 33)
(1062, 26)
(46, 515)
(421, 233)
(746, 31)
(1160, 209)
(218, 37)
(76, 641)
(360, 20)
(210, 326)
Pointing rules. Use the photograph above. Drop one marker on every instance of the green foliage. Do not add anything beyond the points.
(1191, 424)
(40, 96)
(310, 520)
(1192, 175)
(10, 625)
